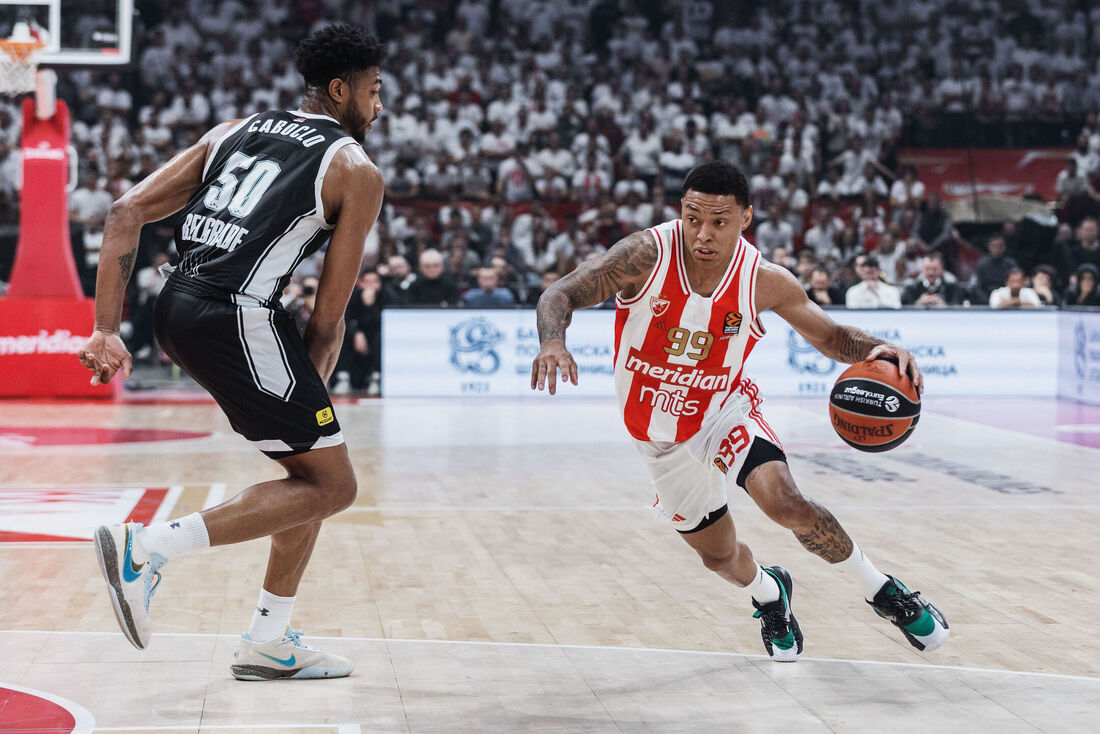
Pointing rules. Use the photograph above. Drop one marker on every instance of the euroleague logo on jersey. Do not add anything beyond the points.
(658, 305)
(732, 324)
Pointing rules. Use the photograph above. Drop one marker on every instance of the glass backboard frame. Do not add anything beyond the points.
(54, 54)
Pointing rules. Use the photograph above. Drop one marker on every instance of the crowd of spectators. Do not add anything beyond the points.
(522, 137)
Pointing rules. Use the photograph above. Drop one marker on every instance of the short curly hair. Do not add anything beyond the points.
(337, 51)
(720, 179)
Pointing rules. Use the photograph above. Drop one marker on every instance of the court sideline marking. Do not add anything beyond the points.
(397, 509)
(607, 648)
(340, 728)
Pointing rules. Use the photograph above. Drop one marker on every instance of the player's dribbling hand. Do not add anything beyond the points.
(907, 364)
(552, 358)
(105, 354)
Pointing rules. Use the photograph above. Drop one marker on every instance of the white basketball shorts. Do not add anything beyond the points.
(690, 476)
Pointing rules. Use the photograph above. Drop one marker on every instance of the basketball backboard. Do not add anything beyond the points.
(76, 32)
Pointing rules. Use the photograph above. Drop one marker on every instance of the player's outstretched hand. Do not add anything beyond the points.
(552, 358)
(105, 354)
(907, 364)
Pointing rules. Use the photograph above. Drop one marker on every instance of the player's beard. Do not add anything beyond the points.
(357, 123)
(358, 126)
(362, 129)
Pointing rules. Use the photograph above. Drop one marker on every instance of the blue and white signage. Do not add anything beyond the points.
(465, 352)
(1079, 356)
(960, 353)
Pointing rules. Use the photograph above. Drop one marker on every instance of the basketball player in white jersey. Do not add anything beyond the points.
(257, 197)
(689, 294)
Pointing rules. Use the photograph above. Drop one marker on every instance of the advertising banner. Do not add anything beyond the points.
(960, 353)
(1079, 356)
(39, 339)
(474, 352)
(464, 352)
(960, 173)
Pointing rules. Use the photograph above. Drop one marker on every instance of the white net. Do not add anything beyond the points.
(18, 66)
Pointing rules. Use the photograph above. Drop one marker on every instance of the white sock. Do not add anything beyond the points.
(860, 566)
(764, 588)
(177, 537)
(272, 616)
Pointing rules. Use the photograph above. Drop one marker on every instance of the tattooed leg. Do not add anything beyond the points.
(773, 489)
(827, 538)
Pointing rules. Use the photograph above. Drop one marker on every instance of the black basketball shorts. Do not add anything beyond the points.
(253, 361)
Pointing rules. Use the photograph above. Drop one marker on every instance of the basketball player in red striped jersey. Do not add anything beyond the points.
(688, 297)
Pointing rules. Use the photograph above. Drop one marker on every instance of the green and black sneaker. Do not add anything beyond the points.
(778, 627)
(921, 623)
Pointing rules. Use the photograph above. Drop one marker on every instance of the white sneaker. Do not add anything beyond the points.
(342, 385)
(285, 657)
(132, 577)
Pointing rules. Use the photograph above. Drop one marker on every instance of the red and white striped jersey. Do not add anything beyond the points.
(679, 355)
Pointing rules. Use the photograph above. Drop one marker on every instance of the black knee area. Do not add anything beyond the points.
(707, 521)
(761, 452)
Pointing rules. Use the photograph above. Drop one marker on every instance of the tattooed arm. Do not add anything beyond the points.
(624, 268)
(162, 193)
(777, 290)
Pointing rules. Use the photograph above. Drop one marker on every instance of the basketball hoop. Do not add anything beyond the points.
(19, 72)
(18, 65)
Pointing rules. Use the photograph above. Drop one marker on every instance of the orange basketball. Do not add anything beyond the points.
(873, 407)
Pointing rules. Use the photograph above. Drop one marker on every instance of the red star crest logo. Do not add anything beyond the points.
(658, 305)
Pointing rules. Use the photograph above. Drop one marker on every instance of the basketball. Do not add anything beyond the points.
(872, 407)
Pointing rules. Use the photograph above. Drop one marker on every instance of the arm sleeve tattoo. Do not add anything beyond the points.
(853, 345)
(628, 263)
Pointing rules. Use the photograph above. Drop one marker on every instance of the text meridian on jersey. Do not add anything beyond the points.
(214, 232)
(302, 133)
(696, 378)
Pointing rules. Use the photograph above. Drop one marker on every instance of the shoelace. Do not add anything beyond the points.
(295, 638)
(903, 605)
(774, 618)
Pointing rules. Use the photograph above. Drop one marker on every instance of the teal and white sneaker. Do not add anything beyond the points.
(132, 576)
(921, 623)
(285, 657)
(778, 627)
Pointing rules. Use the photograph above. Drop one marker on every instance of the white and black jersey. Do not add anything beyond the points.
(258, 213)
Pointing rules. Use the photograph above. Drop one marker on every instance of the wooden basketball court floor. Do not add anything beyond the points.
(501, 572)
